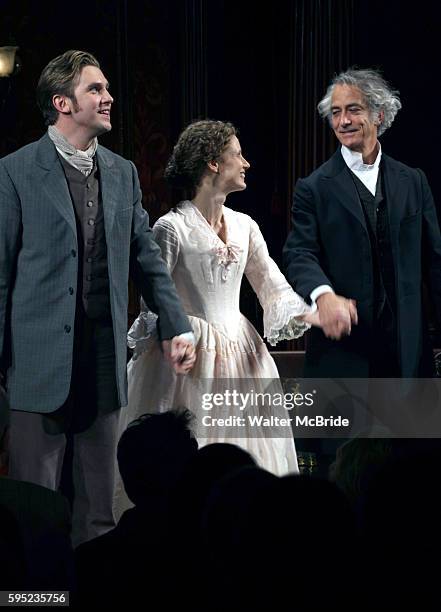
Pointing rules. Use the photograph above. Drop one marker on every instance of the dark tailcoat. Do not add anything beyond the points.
(330, 245)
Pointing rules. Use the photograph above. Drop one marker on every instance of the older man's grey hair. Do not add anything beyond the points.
(377, 92)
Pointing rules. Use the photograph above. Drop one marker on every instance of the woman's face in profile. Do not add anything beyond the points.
(232, 167)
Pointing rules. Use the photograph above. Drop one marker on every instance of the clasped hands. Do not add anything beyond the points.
(180, 353)
(337, 315)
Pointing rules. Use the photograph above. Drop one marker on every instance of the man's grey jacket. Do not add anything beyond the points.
(39, 265)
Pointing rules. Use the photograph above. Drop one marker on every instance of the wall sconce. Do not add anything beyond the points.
(9, 62)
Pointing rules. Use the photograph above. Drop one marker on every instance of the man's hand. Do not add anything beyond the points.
(337, 315)
(180, 353)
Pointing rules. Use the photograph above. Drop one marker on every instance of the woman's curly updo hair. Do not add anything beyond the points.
(201, 142)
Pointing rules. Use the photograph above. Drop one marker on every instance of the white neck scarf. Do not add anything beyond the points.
(81, 160)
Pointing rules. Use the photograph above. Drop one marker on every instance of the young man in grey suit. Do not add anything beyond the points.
(365, 234)
(72, 230)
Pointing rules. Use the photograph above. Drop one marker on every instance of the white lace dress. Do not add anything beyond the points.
(230, 353)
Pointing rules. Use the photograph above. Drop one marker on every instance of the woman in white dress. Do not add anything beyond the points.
(208, 247)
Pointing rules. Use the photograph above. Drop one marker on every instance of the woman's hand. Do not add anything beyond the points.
(312, 318)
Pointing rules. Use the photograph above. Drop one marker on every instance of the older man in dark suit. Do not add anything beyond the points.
(72, 229)
(365, 231)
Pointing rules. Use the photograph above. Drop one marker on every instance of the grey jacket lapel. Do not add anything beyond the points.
(110, 186)
(50, 176)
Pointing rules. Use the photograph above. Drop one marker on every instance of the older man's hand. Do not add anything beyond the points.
(337, 315)
(180, 353)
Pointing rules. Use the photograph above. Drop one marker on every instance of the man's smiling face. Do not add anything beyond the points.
(352, 120)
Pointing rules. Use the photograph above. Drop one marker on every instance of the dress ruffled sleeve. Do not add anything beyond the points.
(143, 333)
(281, 305)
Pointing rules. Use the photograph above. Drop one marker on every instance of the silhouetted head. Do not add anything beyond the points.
(153, 453)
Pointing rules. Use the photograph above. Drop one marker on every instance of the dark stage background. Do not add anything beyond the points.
(262, 67)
